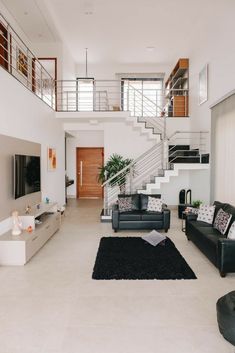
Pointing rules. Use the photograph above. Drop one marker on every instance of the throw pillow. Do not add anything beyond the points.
(222, 220)
(154, 204)
(206, 213)
(231, 233)
(154, 237)
(125, 204)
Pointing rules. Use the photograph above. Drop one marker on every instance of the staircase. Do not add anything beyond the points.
(158, 165)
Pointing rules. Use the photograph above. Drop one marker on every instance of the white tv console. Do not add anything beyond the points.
(18, 250)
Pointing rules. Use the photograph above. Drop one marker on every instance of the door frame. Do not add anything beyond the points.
(77, 166)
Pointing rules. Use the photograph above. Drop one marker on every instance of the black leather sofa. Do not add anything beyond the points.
(217, 248)
(139, 217)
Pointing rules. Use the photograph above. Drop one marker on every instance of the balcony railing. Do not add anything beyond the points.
(20, 62)
(83, 95)
(113, 95)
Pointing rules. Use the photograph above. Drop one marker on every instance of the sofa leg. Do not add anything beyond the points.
(115, 230)
(166, 230)
(222, 274)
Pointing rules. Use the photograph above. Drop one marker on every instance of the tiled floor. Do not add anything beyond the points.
(52, 305)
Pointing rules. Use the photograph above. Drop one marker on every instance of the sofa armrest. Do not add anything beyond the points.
(166, 218)
(226, 255)
(115, 217)
(191, 217)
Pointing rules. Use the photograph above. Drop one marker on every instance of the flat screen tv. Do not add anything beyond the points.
(27, 175)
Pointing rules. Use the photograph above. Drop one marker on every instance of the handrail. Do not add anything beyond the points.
(187, 132)
(21, 40)
(132, 163)
(20, 62)
(141, 93)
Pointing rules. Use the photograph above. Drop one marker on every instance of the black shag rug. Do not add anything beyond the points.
(134, 258)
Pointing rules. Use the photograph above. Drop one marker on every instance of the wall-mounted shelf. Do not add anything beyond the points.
(176, 88)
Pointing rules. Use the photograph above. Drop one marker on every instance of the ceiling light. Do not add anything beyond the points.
(150, 48)
(93, 122)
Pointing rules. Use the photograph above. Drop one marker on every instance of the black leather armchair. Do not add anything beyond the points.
(140, 218)
(217, 248)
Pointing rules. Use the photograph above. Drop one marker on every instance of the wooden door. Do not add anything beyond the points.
(89, 160)
(3, 47)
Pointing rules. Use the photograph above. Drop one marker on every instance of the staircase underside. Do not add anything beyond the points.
(176, 167)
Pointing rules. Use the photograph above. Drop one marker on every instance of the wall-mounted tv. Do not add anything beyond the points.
(27, 175)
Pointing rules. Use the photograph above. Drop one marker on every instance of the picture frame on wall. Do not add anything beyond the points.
(203, 85)
(51, 159)
(22, 62)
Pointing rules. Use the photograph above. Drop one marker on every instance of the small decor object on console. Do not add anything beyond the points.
(125, 204)
(222, 220)
(154, 204)
(206, 213)
(231, 233)
(28, 209)
(17, 224)
(29, 229)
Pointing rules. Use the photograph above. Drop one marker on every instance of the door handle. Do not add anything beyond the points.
(81, 173)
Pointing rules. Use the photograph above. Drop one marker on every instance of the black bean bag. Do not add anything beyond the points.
(226, 316)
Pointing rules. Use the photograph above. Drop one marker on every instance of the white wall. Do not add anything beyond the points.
(25, 116)
(223, 171)
(196, 180)
(65, 63)
(109, 71)
(116, 137)
(218, 51)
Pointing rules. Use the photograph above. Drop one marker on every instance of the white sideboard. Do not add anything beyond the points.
(18, 250)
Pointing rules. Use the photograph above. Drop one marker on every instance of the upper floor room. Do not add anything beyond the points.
(134, 40)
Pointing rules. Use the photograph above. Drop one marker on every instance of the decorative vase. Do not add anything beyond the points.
(16, 224)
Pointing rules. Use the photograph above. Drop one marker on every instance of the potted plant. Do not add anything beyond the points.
(114, 165)
(197, 203)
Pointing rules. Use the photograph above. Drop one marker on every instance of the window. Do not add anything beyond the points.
(85, 94)
(142, 96)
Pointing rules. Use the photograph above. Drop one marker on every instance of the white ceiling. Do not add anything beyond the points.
(120, 30)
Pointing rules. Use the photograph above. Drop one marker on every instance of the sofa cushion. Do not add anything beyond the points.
(206, 213)
(199, 224)
(130, 216)
(222, 221)
(135, 200)
(125, 204)
(211, 234)
(218, 205)
(154, 238)
(151, 216)
(144, 200)
(231, 232)
(154, 204)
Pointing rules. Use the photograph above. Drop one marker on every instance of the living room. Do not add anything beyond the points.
(52, 303)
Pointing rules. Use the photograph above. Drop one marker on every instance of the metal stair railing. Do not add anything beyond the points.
(134, 176)
(153, 163)
(145, 109)
(195, 140)
(148, 104)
